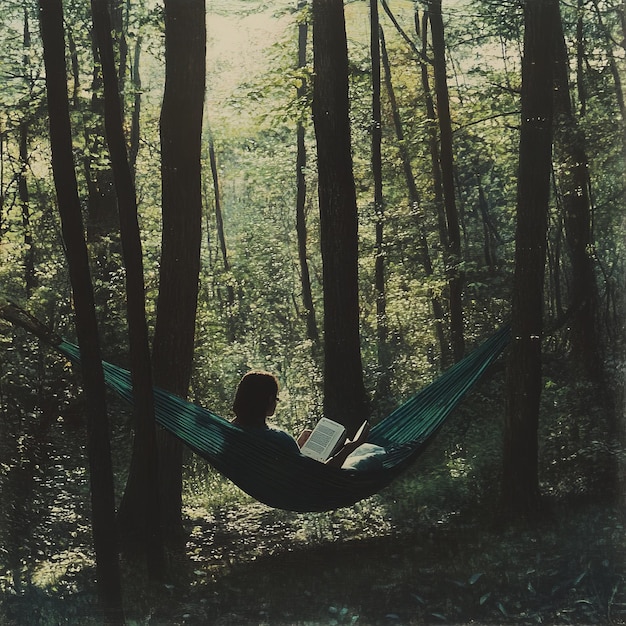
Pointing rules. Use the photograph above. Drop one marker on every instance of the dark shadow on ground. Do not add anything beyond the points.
(565, 568)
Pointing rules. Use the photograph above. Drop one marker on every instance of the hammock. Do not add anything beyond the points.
(285, 480)
(293, 482)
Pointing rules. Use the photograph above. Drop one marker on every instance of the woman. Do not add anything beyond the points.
(255, 401)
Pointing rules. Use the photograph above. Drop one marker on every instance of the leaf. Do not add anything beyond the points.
(443, 618)
(484, 598)
(475, 578)
(502, 609)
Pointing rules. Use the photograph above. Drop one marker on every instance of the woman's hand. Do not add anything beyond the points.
(304, 436)
(350, 446)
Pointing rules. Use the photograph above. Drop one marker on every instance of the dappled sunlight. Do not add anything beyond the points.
(58, 571)
(251, 530)
(254, 234)
(458, 465)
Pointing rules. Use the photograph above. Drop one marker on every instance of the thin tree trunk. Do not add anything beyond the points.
(2, 185)
(382, 389)
(24, 195)
(118, 33)
(73, 53)
(414, 201)
(22, 181)
(133, 149)
(453, 257)
(181, 173)
(98, 442)
(488, 248)
(221, 237)
(615, 71)
(344, 390)
(586, 341)
(102, 219)
(139, 513)
(301, 228)
(102, 213)
(523, 391)
(580, 60)
(574, 182)
(433, 139)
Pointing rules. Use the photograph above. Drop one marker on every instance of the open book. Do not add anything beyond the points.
(326, 439)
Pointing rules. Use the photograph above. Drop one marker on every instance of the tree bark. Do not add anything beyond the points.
(523, 391)
(613, 66)
(103, 212)
(181, 134)
(433, 139)
(384, 361)
(414, 200)
(133, 149)
(24, 195)
(221, 237)
(301, 227)
(98, 441)
(446, 158)
(22, 181)
(488, 247)
(344, 391)
(139, 513)
(573, 176)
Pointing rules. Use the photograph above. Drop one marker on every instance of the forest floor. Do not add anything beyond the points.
(250, 565)
(257, 566)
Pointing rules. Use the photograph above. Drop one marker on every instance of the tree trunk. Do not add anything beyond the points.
(414, 201)
(453, 256)
(118, 32)
(221, 236)
(613, 66)
(580, 59)
(139, 513)
(133, 148)
(523, 391)
(384, 361)
(488, 247)
(344, 391)
(24, 195)
(573, 177)
(102, 213)
(433, 139)
(102, 209)
(22, 182)
(301, 228)
(98, 442)
(181, 134)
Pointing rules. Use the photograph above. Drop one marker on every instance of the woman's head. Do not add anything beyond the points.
(256, 397)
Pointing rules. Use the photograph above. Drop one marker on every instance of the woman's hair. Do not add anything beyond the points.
(253, 394)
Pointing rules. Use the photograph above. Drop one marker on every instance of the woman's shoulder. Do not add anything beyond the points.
(280, 436)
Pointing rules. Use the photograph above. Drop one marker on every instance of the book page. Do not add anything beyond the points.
(323, 440)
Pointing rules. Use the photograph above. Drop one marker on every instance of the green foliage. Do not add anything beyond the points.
(253, 107)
